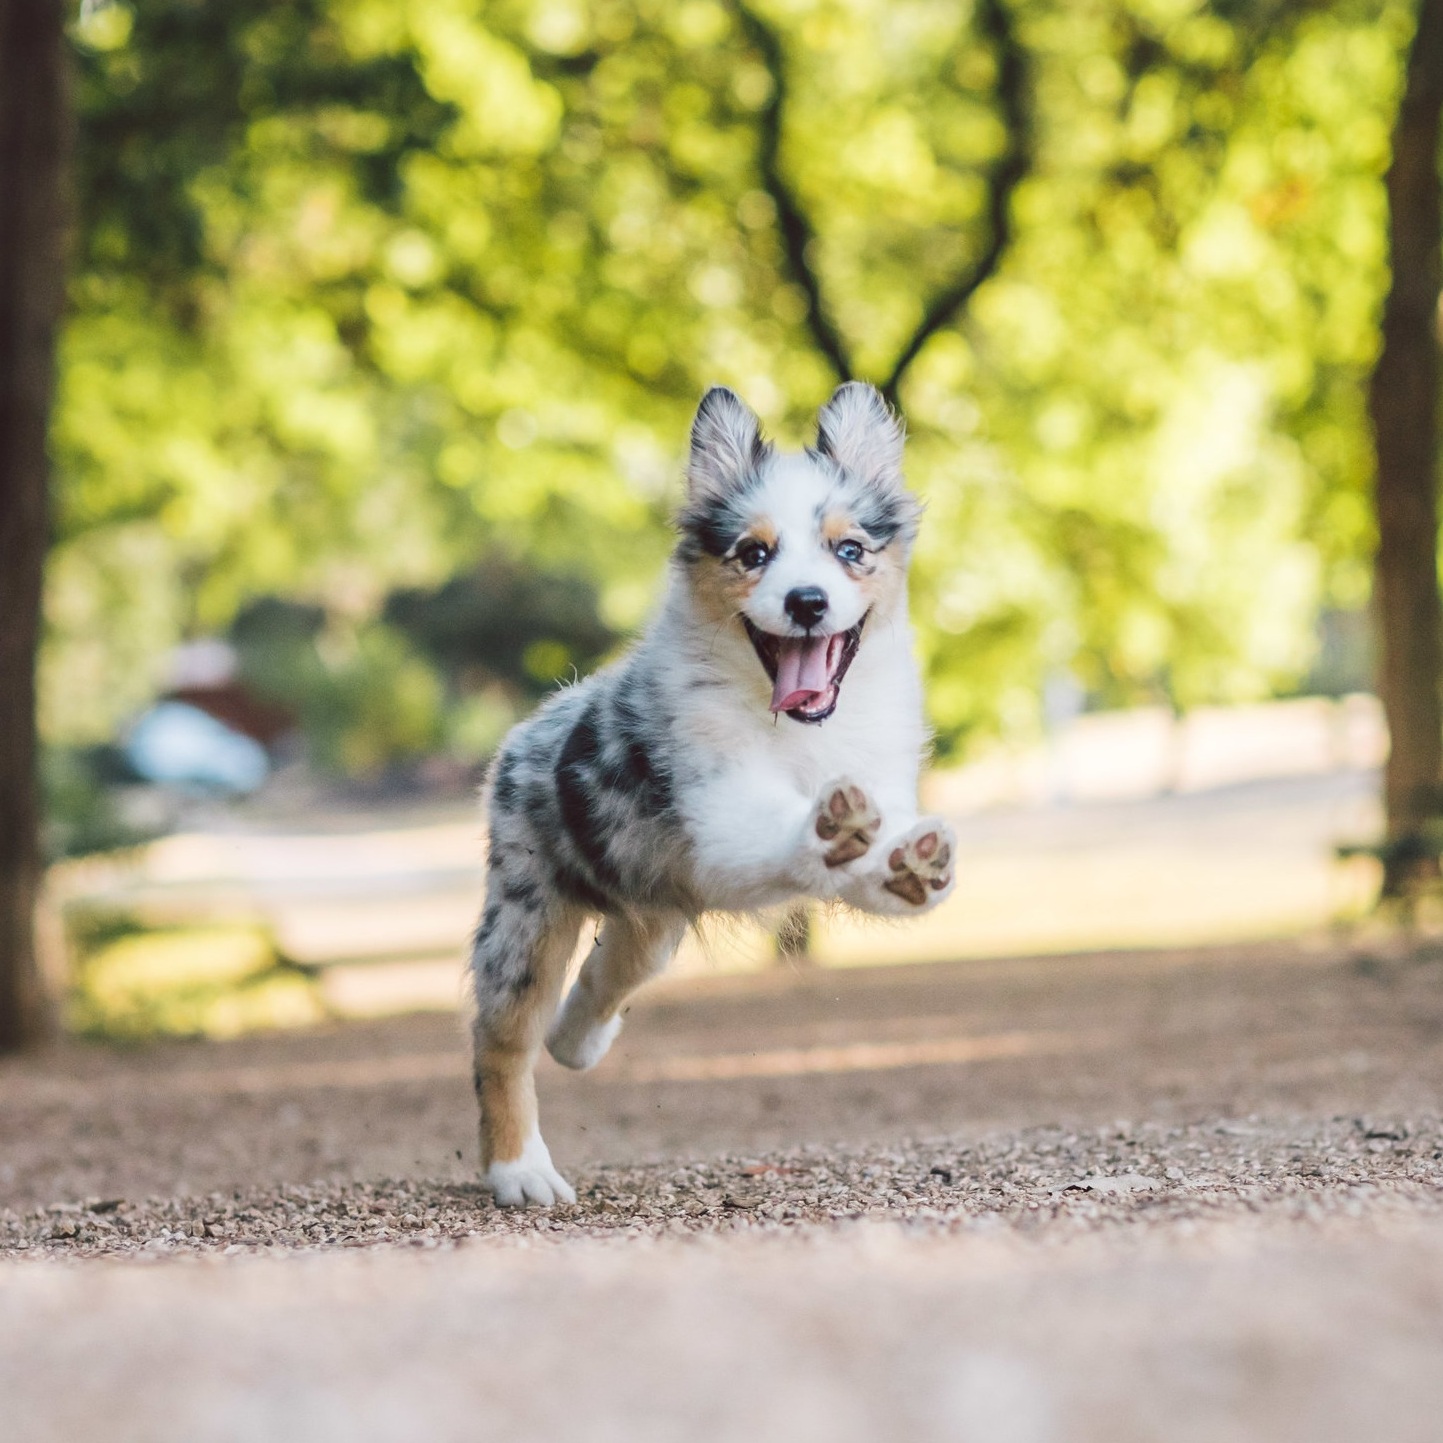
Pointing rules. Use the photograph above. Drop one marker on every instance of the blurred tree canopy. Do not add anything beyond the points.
(367, 289)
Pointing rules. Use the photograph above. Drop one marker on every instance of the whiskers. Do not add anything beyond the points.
(721, 626)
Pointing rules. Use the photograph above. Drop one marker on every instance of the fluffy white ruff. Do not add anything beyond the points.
(528, 1179)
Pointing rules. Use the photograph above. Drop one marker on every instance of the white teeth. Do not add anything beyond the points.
(829, 700)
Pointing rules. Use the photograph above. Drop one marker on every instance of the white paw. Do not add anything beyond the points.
(529, 1179)
(579, 1041)
(919, 863)
(847, 820)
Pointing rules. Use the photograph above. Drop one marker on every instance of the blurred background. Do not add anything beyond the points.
(386, 322)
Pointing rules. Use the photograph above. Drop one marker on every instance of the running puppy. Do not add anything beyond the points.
(695, 773)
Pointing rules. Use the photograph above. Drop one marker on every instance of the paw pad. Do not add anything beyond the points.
(848, 820)
(920, 864)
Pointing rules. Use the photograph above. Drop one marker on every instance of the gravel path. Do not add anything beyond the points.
(1051, 1179)
(746, 1066)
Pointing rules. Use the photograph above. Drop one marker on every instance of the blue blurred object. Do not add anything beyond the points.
(181, 745)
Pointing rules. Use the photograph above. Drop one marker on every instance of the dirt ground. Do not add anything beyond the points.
(1173, 1195)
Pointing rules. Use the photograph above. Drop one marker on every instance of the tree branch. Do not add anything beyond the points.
(1013, 96)
(796, 230)
(798, 235)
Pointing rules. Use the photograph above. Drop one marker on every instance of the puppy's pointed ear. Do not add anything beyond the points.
(862, 434)
(726, 444)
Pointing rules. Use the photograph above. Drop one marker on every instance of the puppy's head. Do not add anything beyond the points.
(798, 550)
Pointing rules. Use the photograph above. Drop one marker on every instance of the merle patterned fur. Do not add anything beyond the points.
(582, 811)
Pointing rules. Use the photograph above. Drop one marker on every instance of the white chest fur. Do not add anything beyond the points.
(748, 780)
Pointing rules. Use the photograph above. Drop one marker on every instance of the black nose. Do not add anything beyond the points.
(806, 605)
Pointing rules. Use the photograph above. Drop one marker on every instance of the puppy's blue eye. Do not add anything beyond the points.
(850, 551)
(753, 554)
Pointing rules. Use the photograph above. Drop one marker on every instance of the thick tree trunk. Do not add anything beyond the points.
(1403, 402)
(34, 130)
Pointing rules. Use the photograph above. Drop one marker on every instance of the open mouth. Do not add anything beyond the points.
(806, 671)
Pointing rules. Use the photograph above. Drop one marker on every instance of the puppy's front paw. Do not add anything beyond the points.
(848, 821)
(528, 1179)
(919, 864)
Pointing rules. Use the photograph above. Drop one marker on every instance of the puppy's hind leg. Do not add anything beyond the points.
(518, 964)
(629, 950)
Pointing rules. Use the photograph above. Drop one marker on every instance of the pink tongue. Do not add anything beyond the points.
(804, 670)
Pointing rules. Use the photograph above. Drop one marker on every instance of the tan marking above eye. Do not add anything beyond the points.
(760, 532)
(838, 526)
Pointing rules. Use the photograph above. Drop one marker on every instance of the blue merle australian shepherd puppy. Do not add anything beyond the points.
(761, 743)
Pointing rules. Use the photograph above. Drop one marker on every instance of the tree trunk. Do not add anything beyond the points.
(1403, 403)
(34, 133)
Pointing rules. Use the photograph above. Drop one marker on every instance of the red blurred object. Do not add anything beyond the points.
(236, 706)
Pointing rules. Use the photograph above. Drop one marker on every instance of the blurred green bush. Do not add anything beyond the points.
(83, 813)
(131, 983)
(440, 671)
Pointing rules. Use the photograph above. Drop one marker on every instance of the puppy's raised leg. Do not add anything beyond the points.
(757, 842)
(518, 964)
(629, 950)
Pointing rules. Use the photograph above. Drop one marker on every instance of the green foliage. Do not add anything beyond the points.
(133, 983)
(1168, 456)
(520, 626)
(82, 808)
(445, 669)
(366, 702)
(367, 289)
